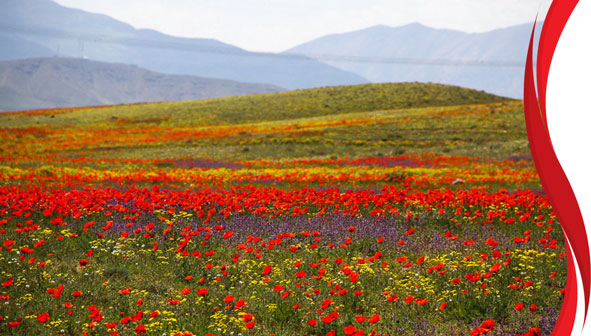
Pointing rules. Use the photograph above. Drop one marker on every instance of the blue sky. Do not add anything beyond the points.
(277, 25)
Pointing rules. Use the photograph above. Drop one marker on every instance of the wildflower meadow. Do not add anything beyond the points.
(399, 209)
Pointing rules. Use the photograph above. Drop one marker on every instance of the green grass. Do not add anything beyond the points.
(268, 107)
(346, 121)
(495, 130)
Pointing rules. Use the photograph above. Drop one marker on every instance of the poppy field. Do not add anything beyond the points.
(383, 209)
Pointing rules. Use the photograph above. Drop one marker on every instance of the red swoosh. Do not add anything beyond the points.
(552, 176)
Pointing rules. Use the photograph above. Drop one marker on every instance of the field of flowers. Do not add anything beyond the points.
(351, 211)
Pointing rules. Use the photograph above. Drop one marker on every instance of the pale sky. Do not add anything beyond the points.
(277, 25)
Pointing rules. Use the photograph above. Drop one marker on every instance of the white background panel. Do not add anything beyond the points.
(568, 113)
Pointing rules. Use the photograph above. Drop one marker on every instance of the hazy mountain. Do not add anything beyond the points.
(395, 54)
(61, 82)
(39, 28)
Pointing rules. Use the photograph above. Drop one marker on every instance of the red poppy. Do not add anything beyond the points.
(349, 330)
(375, 318)
(326, 303)
(140, 329)
(331, 317)
(267, 270)
(44, 317)
(488, 324)
(240, 304)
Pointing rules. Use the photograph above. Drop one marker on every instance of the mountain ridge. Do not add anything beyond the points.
(67, 82)
(490, 61)
(68, 32)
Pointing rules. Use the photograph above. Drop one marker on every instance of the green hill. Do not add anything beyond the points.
(345, 121)
(274, 106)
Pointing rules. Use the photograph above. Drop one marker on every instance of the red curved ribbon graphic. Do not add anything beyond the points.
(552, 176)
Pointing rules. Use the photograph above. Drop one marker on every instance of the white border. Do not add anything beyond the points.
(568, 112)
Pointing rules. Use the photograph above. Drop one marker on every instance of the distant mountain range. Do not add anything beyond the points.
(42, 28)
(493, 61)
(63, 82)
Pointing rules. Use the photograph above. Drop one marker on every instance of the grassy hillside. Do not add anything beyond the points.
(274, 106)
(350, 121)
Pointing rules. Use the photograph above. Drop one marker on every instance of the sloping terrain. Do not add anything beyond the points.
(348, 121)
(64, 82)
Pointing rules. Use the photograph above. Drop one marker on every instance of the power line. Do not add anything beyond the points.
(230, 50)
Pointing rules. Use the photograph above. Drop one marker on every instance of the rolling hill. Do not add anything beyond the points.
(62, 82)
(343, 121)
(492, 61)
(279, 106)
(42, 28)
